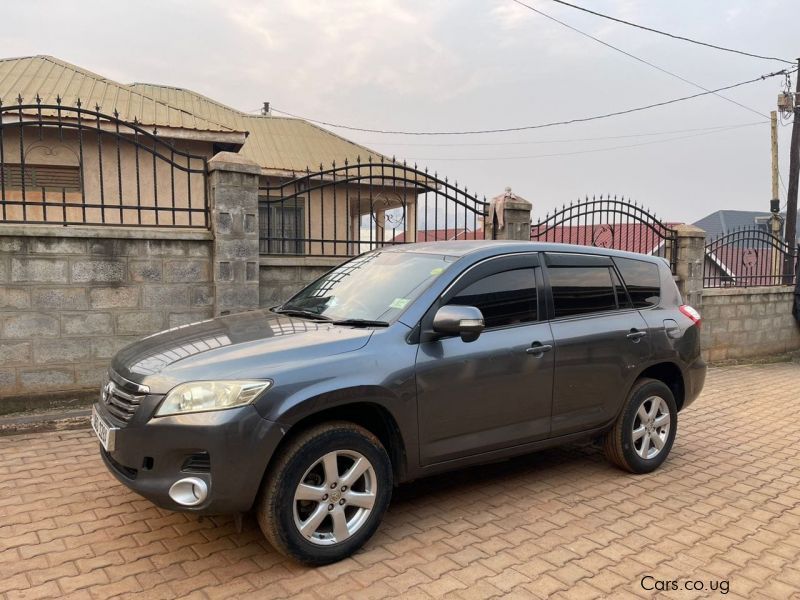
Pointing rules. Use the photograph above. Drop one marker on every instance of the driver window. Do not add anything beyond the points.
(505, 298)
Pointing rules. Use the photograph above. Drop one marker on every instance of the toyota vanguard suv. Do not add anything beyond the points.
(401, 363)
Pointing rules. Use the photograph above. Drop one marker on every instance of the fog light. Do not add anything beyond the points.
(189, 491)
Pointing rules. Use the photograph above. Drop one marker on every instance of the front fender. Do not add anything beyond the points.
(386, 379)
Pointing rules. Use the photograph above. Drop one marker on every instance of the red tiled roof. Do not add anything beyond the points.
(631, 237)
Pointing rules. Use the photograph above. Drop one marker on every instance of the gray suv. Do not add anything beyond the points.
(401, 363)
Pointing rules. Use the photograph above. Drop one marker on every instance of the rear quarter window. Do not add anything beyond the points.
(642, 280)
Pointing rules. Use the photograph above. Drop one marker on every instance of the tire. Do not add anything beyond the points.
(624, 444)
(323, 506)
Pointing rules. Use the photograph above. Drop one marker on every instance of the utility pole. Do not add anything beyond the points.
(794, 171)
(775, 201)
(773, 129)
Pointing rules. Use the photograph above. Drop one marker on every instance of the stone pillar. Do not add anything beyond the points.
(689, 263)
(510, 217)
(234, 223)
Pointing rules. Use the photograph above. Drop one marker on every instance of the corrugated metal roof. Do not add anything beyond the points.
(293, 144)
(279, 143)
(50, 77)
(192, 102)
(276, 143)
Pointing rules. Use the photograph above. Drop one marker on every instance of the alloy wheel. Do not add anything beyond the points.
(335, 497)
(651, 427)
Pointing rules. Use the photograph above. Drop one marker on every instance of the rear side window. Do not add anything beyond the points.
(504, 298)
(581, 290)
(642, 280)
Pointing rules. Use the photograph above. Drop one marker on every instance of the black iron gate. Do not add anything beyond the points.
(71, 165)
(749, 257)
(609, 222)
(354, 207)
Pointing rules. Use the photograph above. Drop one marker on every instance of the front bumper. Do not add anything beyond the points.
(151, 454)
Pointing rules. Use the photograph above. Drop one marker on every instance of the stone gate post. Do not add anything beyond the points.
(510, 217)
(690, 255)
(233, 205)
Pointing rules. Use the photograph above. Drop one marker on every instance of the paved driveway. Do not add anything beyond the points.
(723, 511)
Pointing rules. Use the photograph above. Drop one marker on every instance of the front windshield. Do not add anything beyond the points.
(376, 286)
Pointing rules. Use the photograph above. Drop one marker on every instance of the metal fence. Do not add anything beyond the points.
(354, 207)
(609, 222)
(71, 165)
(749, 257)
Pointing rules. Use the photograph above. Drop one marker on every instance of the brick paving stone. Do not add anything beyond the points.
(562, 523)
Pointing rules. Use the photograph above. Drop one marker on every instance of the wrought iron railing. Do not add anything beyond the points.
(354, 207)
(70, 165)
(749, 257)
(609, 222)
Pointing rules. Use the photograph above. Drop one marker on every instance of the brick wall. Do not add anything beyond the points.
(280, 277)
(748, 322)
(71, 297)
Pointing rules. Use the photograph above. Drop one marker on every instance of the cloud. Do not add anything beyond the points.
(510, 16)
(382, 44)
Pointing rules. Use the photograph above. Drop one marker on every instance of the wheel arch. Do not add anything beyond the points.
(369, 411)
(670, 375)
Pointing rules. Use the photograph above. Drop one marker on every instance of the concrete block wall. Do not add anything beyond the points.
(70, 298)
(748, 322)
(280, 277)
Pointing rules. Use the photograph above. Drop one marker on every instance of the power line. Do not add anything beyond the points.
(672, 35)
(538, 126)
(591, 151)
(636, 58)
(569, 140)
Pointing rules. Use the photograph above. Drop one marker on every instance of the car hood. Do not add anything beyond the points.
(245, 345)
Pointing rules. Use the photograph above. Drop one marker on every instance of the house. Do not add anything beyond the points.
(134, 154)
(722, 222)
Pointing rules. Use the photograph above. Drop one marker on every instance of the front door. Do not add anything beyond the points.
(495, 392)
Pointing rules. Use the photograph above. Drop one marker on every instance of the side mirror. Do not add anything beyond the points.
(464, 321)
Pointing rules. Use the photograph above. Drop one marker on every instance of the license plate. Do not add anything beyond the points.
(104, 432)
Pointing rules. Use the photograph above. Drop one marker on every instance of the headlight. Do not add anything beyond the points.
(200, 396)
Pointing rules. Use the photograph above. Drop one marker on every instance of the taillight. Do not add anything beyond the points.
(691, 313)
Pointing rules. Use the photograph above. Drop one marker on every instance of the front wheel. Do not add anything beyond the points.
(645, 430)
(326, 493)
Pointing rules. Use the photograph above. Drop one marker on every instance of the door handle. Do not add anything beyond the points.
(537, 348)
(636, 335)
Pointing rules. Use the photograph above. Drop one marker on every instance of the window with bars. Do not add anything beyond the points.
(281, 226)
(37, 177)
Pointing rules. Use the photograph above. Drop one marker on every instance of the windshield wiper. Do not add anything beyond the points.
(360, 323)
(299, 312)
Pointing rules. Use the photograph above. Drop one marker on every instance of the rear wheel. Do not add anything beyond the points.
(645, 430)
(326, 493)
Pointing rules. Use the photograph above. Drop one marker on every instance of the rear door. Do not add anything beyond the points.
(643, 282)
(601, 340)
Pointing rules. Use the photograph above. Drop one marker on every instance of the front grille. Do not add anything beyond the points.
(121, 398)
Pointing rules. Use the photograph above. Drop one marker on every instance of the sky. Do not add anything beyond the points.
(449, 65)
